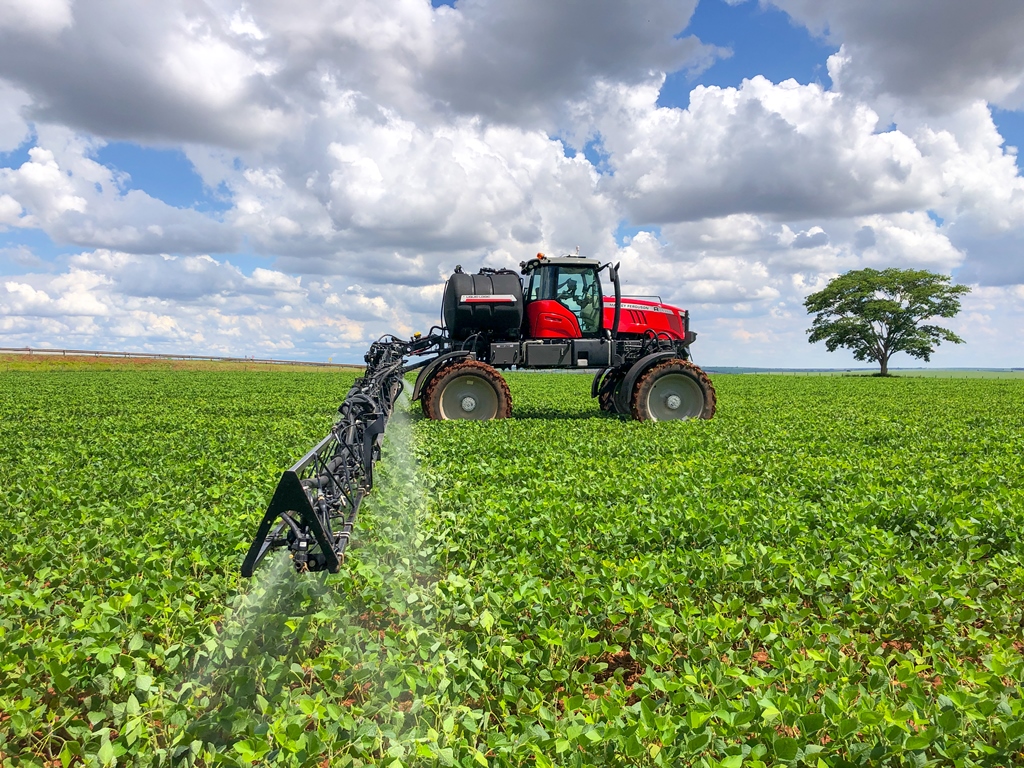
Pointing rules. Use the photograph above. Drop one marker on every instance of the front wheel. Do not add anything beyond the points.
(672, 391)
(468, 390)
(609, 390)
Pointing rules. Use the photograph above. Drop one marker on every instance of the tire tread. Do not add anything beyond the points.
(430, 400)
(675, 365)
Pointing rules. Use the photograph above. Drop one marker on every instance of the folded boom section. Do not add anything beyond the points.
(314, 508)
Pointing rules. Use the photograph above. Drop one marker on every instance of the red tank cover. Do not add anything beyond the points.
(639, 315)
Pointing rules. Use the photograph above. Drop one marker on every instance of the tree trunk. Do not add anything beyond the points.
(884, 363)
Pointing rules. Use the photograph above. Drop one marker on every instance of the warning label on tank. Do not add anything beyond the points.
(497, 298)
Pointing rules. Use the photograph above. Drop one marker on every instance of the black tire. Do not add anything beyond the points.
(423, 395)
(608, 389)
(467, 390)
(674, 390)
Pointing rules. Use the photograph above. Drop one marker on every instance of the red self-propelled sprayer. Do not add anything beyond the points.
(553, 314)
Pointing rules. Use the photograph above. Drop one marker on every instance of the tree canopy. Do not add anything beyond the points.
(878, 313)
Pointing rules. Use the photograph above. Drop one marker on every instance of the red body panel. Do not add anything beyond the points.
(638, 316)
(547, 319)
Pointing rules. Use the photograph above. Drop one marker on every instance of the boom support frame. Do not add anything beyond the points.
(314, 508)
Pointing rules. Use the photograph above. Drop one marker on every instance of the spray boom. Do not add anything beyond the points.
(314, 508)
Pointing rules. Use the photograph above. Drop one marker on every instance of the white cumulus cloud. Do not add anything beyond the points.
(76, 200)
(359, 150)
(939, 53)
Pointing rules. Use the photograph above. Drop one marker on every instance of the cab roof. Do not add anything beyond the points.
(563, 261)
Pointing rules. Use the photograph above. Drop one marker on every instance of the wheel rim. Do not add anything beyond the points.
(675, 396)
(468, 397)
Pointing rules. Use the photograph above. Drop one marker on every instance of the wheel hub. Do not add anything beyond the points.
(675, 396)
(468, 397)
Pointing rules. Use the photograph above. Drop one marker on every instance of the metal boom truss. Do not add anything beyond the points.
(313, 510)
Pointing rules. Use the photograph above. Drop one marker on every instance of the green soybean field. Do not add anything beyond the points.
(828, 573)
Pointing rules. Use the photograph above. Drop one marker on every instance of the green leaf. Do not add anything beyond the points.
(486, 621)
(696, 718)
(633, 746)
(698, 742)
(1014, 730)
(948, 721)
(811, 723)
(105, 753)
(60, 681)
(869, 717)
(786, 748)
(69, 752)
(251, 750)
(920, 741)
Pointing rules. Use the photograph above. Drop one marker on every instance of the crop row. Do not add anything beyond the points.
(827, 573)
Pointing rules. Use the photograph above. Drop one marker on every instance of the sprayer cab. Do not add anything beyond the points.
(565, 300)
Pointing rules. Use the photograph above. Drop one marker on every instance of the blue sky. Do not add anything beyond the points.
(1011, 126)
(763, 40)
(301, 179)
(164, 173)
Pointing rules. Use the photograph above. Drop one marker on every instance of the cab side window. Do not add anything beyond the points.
(541, 285)
(579, 292)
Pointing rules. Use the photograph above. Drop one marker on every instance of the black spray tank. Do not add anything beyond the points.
(489, 302)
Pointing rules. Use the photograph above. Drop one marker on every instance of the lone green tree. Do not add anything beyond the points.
(878, 313)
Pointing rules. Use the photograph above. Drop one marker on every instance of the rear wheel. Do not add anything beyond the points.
(467, 390)
(674, 390)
